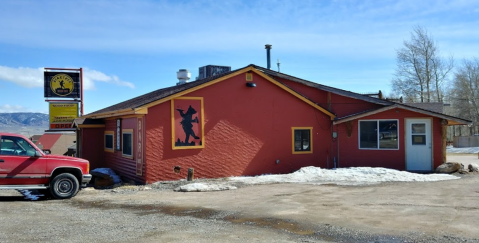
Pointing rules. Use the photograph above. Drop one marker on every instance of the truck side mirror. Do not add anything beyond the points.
(38, 154)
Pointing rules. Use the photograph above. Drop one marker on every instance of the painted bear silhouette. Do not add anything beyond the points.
(187, 123)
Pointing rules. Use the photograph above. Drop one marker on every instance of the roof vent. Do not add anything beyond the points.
(268, 55)
(183, 76)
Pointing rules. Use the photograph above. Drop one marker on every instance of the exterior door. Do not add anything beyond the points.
(418, 145)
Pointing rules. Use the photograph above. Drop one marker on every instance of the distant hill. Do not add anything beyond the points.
(24, 123)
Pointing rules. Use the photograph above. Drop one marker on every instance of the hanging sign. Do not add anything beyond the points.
(62, 84)
(62, 115)
(139, 156)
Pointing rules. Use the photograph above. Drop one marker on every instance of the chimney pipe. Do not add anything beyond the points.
(268, 56)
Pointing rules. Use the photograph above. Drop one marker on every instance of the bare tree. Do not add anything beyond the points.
(421, 72)
(464, 93)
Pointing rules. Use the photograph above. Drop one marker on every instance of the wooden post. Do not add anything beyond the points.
(191, 171)
(444, 140)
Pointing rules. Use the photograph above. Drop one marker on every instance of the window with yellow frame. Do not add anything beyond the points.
(302, 141)
(127, 143)
(109, 141)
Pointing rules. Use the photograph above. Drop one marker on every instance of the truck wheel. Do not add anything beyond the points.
(64, 186)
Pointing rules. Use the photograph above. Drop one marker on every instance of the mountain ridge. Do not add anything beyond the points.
(25, 123)
(24, 119)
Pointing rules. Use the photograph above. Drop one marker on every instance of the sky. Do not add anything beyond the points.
(131, 47)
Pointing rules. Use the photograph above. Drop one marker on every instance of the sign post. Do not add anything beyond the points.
(66, 86)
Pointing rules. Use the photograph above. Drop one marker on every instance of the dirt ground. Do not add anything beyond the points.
(444, 211)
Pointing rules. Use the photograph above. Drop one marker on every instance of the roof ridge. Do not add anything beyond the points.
(159, 94)
(327, 88)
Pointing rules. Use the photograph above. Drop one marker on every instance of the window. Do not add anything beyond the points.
(418, 133)
(378, 134)
(302, 142)
(16, 146)
(127, 143)
(109, 135)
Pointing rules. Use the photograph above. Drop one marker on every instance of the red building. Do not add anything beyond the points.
(254, 121)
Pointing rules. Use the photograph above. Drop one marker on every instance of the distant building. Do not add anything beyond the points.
(35, 138)
(56, 143)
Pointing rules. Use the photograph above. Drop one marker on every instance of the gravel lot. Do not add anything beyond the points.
(444, 211)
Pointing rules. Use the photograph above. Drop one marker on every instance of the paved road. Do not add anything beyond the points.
(444, 211)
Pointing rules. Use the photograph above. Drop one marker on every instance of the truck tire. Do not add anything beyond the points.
(64, 186)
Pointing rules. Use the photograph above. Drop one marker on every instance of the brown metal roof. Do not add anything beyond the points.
(430, 106)
(156, 95)
(324, 87)
(450, 119)
(159, 94)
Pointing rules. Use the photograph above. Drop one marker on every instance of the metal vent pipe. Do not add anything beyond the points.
(268, 55)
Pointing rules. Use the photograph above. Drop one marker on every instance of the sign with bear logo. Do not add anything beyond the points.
(62, 84)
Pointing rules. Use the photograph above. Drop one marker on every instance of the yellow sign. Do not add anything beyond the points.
(62, 115)
(62, 84)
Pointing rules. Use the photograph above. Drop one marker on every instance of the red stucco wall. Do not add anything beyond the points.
(351, 156)
(246, 131)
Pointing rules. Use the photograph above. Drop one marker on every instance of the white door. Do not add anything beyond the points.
(418, 145)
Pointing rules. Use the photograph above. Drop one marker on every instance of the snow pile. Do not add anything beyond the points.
(470, 150)
(202, 187)
(344, 176)
(316, 176)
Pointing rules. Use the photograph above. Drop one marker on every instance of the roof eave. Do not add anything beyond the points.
(451, 121)
(119, 113)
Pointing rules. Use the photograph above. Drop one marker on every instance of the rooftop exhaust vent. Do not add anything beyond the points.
(183, 76)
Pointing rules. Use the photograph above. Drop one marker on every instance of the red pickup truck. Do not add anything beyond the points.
(24, 166)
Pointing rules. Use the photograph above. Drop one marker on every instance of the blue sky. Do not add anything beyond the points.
(128, 48)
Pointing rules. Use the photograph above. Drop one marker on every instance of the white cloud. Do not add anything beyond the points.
(12, 108)
(91, 76)
(25, 77)
(33, 77)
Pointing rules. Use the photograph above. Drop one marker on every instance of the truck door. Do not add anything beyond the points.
(18, 163)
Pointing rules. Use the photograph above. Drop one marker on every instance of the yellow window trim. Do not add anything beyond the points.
(130, 131)
(112, 150)
(310, 139)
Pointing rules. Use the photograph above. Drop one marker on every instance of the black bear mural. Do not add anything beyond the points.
(190, 121)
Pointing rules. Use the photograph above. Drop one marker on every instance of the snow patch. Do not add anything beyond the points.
(202, 187)
(470, 150)
(343, 176)
(353, 176)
